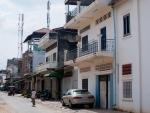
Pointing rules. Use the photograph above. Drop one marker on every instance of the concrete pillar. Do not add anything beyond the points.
(78, 50)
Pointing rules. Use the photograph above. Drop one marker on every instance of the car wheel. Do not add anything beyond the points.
(62, 101)
(91, 105)
(70, 104)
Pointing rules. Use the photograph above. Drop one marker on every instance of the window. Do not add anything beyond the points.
(47, 59)
(85, 84)
(85, 43)
(54, 57)
(126, 25)
(81, 92)
(127, 89)
(126, 69)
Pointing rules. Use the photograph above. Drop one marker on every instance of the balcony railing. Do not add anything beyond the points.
(92, 47)
(73, 13)
(48, 65)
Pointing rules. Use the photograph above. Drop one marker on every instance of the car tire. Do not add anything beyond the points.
(62, 101)
(70, 104)
(91, 105)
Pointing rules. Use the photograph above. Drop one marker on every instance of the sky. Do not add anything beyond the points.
(34, 18)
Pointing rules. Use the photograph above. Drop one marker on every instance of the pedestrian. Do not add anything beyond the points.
(33, 95)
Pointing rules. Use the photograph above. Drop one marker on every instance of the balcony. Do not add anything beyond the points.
(85, 12)
(45, 67)
(73, 13)
(46, 41)
(94, 49)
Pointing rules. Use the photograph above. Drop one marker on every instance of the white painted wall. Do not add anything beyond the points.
(128, 52)
(94, 31)
(90, 75)
(144, 34)
(70, 82)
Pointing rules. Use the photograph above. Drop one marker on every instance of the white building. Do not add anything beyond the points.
(132, 33)
(95, 49)
(3, 74)
(116, 32)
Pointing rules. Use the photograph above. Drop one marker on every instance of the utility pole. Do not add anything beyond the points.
(48, 15)
(20, 34)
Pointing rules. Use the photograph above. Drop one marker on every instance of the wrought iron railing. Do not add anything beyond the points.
(73, 13)
(89, 48)
(92, 47)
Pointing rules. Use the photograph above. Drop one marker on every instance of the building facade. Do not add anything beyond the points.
(95, 49)
(115, 67)
(132, 59)
(32, 57)
(52, 70)
(3, 74)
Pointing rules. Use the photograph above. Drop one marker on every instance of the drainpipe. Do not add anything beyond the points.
(114, 60)
(140, 53)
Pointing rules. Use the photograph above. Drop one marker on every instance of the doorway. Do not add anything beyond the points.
(43, 85)
(103, 91)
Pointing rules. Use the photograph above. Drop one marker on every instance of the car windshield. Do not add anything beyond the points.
(81, 92)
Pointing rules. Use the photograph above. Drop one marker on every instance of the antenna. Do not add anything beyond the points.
(48, 14)
(20, 34)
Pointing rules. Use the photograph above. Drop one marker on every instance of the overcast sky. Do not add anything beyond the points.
(35, 18)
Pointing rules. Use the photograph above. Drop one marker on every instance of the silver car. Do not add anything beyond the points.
(78, 97)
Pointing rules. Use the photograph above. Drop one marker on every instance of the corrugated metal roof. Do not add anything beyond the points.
(37, 34)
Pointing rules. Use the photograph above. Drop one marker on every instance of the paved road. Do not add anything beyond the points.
(17, 104)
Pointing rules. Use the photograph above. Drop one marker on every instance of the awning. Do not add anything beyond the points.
(46, 75)
(18, 81)
(56, 74)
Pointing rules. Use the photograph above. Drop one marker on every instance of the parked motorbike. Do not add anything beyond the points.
(45, 95)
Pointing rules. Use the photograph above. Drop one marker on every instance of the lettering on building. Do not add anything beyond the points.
(103, 18)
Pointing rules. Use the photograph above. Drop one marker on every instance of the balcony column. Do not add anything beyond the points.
(78, 6)
(65, 55)
(99, 42)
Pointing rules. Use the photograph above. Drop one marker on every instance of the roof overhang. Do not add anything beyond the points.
(83, 2)
(88, 14)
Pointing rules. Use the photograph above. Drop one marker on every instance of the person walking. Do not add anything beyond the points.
(33, 95)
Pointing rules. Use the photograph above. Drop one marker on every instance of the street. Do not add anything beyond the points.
(18, 104)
